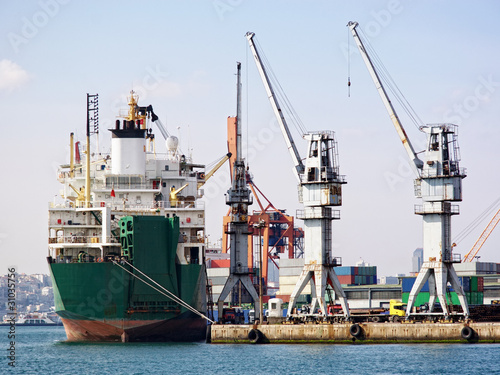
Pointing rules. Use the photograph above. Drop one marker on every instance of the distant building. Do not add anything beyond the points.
(362, 263)
(417, 260)
(389, 280)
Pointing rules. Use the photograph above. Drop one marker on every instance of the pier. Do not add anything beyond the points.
(358, 333)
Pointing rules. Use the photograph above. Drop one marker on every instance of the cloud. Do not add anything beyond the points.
(12, 76)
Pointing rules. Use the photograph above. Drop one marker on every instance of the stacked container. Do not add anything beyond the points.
(473, 287)
(357, 275)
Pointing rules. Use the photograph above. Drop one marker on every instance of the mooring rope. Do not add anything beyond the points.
(168, 293)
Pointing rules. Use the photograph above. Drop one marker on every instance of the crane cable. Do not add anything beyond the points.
(246, 99)
(166, 292)
(478, 220)
(213, 163)
(391, 84)
(348, 64)
(280, 93)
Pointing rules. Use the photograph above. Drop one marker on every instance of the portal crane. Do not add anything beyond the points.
(238, 198)
(482, 238)
(438, 182)
(320, 187)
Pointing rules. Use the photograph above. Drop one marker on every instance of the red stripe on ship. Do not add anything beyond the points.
(191, 329)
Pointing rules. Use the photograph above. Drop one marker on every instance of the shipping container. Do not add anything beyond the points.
(473, 284)
(480, 284)
(466, 283)
(407, 284)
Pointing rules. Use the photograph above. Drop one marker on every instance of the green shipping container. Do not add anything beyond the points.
(473, 284)
(423, 297)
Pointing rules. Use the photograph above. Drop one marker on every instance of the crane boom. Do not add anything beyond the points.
(417, 163)
(158, 123)
(214, 169)
(482, 238)
(299, 166)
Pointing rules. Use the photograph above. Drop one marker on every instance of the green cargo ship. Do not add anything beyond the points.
(126, 239)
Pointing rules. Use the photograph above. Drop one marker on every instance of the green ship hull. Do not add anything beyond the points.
(104, 299)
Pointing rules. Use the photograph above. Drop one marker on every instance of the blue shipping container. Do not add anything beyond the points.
(408, 282)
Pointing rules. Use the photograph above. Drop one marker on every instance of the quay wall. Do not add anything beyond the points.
(346, 333)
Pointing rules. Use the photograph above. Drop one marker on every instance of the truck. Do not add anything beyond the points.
(233, 315)
(394, 313)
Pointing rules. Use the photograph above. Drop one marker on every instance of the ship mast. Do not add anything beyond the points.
(92, 117)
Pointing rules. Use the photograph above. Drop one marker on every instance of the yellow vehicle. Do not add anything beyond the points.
(397, 308)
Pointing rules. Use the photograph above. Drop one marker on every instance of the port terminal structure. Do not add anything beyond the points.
(438, 183)
(275, 228)
(320, 188)
(238, 198)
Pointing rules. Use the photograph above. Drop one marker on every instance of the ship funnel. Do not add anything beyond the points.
(128, 151)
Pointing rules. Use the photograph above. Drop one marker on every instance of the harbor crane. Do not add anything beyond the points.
(438, 183)
(238, 198)
(320, 188)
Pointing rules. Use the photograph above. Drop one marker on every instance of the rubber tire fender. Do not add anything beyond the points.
(255, 336)
(208, 336)
(467, 333)
(355, 330)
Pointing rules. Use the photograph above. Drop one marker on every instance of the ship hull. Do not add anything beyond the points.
(101, 310)
(180, 329)
(107, 301)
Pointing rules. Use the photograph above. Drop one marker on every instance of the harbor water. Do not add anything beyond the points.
(43, 350)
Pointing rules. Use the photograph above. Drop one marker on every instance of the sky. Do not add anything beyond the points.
(180, 56)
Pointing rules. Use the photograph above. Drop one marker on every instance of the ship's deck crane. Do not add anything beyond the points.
(171, 141)
(157, 121)
(219, 164)
(439, 182)
(320, 187)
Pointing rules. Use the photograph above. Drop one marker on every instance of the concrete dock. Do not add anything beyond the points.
(343, 333)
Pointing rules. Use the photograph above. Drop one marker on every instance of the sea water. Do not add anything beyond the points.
(44, 350)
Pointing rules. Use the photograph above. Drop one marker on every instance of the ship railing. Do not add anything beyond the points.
(120, 204)
(66, 204)
(190, 239)
(81, 239)
(128, 205)
(148, 206)
(87, 258)
(198, 204)
(125, 186)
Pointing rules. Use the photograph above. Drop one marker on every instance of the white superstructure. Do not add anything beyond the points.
(133, 180)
